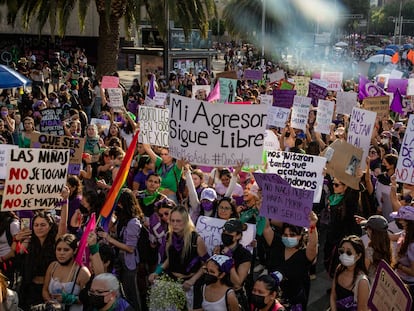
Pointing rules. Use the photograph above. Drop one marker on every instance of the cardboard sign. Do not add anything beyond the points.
(286, 85)
(250, 74)
(74, 144)
(342, 160)
(227, 75)
(388, 292)
(276, 76)
(277, 116)
(228, 89)
(301, 85)
(283, 98)
(51, 122)
(345, 101)
(154, 128)
(210, 229)
(110, 82)
(360, 129)
(283, 202)
(4, 156)
(324, 116)
(334, 79)
(299, 170)
(200, 92)
(405, 165)
(35, 178)
(216, 135)
(380, 105)
(317, 90)
(116, 100)
(266, 99)
(102, 125)
(300, 112)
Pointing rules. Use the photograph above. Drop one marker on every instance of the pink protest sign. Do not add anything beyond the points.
(110, 82)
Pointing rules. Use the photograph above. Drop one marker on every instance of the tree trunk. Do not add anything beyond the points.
(108, 45)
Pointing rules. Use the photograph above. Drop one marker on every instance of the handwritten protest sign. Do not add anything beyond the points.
(74, 144)
(380, 105)
(35, 178)
(300, 112)
(283, 202)
(160, 99)
(266, 99)
(400, 84)
(110, 82)
(410, 86)
(4, 156)
(317, 90)
(154, 128)
(299, 170)
(116, 100)
(51, 122)
(361, 126)
(345, 101)
(407, 104)
(102, 125)
(301, 85)
(210, 229)
(286, 85)
(200, 92)
(324, 116)
(276, 76)
(334, 79)
(342, 160)
(228, 89)
(283, 98)
(388, 291)
(277, 116)
(253, 74)
(216, 135)
(405, 164)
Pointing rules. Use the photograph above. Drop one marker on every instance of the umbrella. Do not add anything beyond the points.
(407, 46)
(341, 44)
(389, 52)
(373, 48)
(393, 47)
(10, 78)
(380, 58)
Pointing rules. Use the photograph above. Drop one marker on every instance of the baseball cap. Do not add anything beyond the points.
(376, 222)
(386, 134)
(208, 194)
(223, 262)
(405, 212)
(233, 225)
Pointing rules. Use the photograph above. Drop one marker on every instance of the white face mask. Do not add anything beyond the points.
(384, 141)
(346, 260)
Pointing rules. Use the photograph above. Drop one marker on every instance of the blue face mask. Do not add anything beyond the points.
(289, 242)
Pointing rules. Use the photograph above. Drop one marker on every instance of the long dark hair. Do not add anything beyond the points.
(130, 208)
(409, 238)
(5, 220)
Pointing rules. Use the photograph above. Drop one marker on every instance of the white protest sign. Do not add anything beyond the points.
(324, 116)
(160, 99)
(300, 112)
(115, 99)
(271, 141)
(299, 170)
(266, 99)
(405, 164)
(102, 125)
(361, 126)
(153, 124)
(35, 178)
(410, 87)
(396, 74)
(210, 229)
(4, 156)
(334, 79)
(216, 135)
(345, 101)
(200, 92)
(276, 76)
(277, 116)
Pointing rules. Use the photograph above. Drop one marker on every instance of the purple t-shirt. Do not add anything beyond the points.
(130, 235)
(140, 178)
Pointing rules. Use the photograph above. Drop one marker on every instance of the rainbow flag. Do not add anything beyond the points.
(120, 178)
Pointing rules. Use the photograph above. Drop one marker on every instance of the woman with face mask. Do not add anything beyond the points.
(65, 278)
(350, 286)
(217, 292)
(292, 257)
(231, 237)
(104, 294)
(265, 292)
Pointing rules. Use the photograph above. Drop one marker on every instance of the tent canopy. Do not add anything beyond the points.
(10, 78)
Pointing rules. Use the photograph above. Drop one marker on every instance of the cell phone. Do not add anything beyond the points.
(24, 223)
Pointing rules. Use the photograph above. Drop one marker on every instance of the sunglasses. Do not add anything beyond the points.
(342, 251)
(337, 184)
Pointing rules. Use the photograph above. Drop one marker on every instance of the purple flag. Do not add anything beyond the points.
(151, 92)
(396, 104)
(368, 89)
(400, 84)
(283, 98)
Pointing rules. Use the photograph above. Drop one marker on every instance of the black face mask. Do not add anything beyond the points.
(401, 135)
(97, 301)
(227, 239)
(257, 301)
(209, 279)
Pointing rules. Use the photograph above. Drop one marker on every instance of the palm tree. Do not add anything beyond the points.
(187, 13)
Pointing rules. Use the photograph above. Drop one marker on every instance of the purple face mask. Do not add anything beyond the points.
(4, 113)
(104, 117)
(207, 205)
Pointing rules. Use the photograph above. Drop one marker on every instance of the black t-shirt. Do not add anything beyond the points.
(240, 255)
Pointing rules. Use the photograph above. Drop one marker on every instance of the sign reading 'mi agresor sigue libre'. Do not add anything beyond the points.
(216, 135)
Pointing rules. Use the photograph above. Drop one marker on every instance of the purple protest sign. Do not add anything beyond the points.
(394, 84)
(283, 98)
(283, 202)
(250, 74)
(316, 92)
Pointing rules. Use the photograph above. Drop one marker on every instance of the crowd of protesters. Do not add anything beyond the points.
(152, 231)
